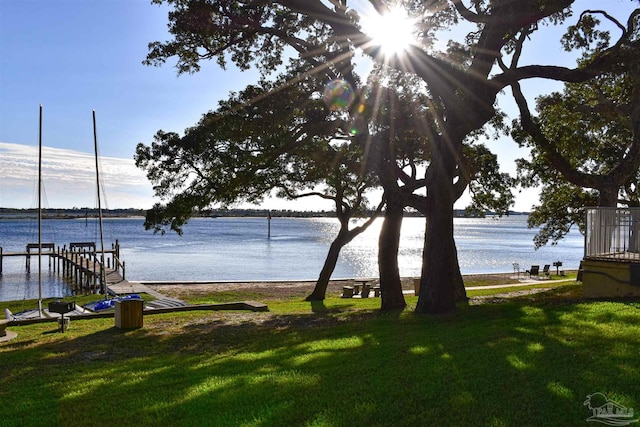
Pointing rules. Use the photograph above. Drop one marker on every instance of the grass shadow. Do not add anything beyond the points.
(511, 364)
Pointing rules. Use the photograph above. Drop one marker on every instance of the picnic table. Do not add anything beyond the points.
(360, 287)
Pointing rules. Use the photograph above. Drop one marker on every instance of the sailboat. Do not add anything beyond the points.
(41, 312)
(103, 277)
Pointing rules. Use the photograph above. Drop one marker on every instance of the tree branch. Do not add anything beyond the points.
(605, 61)
(468, 14)
(550, 153)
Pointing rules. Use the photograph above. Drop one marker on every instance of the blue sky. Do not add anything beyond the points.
(75, 56)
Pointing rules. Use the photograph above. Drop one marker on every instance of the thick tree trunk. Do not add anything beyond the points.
(345, 235)
(320, 290)
(441, 284)
(458, 283)
(388, 245)
(441, 281)
(608, 195)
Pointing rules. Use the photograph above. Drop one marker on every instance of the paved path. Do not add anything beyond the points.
(527, 282)
(521, 283)
(125, 287)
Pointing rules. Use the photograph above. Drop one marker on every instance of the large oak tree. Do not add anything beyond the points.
(462, 83)
(585, 140)
(254, 145)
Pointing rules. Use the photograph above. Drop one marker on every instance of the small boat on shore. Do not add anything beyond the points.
(110, 304)
(99, 306)
(35, 313)
(40, 311)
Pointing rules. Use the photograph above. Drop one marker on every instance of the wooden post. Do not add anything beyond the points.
(269, 224)
(0, 260)
(82, 271)
(74, 268)
(95, 262)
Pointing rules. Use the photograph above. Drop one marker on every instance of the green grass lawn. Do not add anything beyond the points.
(521, 362)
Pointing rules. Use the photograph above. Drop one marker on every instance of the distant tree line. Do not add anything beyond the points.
(69, 213)
(74, 213)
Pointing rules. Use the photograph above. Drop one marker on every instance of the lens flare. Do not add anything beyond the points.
(338, 95)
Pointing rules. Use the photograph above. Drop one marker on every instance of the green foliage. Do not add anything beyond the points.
(562, 206)
(490, 189)
(254, 143)
(460, 85)
(586, 35)
(585, 148)
(225, 30)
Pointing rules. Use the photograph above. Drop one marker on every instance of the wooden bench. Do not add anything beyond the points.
(347, 291)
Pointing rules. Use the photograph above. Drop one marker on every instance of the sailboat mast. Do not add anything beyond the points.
(40, 214)
(103, 276)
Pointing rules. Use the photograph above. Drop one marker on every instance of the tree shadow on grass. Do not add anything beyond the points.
(318, 306)
(497, 364)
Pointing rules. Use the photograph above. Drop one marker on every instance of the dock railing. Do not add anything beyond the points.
(612, 233)
(80, 263)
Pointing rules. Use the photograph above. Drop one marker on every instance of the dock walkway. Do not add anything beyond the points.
(89, 272)
(116, 285)
(80, 262)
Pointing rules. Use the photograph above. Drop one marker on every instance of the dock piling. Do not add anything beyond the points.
(79, 262)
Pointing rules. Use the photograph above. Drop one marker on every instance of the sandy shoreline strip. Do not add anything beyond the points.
(275, 288)
(405, 280)
(345, 279)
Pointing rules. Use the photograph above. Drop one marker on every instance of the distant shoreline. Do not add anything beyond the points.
(86, 213)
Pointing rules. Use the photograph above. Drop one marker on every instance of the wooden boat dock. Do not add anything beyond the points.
(86, 268)
(91, 271)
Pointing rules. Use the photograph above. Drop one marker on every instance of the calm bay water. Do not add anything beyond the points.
(238, 249)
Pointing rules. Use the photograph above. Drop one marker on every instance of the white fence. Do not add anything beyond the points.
(612, 233)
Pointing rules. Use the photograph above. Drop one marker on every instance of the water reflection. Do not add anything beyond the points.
(238, 249)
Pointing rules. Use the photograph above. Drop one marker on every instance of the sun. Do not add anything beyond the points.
(393, 31)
